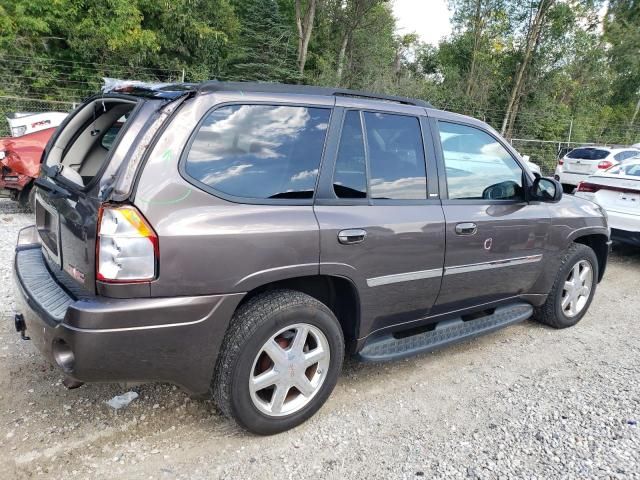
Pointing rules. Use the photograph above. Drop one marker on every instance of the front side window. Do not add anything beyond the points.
(260, 151)
(478, 167)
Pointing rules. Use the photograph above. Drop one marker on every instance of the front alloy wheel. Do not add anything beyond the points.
(572, 290)
(577, 288)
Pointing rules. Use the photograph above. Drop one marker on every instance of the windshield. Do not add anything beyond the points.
(630, 169)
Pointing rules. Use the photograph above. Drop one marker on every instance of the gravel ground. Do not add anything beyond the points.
(526, 402)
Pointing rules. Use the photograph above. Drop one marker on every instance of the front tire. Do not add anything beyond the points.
(573, 288)
(279, 362)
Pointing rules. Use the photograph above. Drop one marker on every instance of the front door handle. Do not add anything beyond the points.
(466, 228)
(351, 236)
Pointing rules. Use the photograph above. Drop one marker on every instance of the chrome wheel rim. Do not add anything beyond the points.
(289, 370)
(577, 288)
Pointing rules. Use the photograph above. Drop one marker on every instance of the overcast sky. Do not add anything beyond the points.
(430, 19)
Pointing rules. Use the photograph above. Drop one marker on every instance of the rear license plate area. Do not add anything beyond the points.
(48, 225)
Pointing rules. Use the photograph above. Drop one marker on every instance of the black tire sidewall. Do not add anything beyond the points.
(583, 253)
(244, 410)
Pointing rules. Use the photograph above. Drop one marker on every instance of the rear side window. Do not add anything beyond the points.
(350, 177)
(588, 154)
(395, 158)
(259, 151)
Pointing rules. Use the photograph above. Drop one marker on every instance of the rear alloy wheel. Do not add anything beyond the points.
(279, 361)
(573, 288)
(289, 370)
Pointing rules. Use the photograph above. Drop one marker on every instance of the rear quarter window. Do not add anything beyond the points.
(259, 151)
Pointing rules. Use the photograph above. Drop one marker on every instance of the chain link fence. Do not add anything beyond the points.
(13, 104)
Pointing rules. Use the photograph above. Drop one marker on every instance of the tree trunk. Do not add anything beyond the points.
(477, 33)
(305, 27)
(342, 54)
(532, 41)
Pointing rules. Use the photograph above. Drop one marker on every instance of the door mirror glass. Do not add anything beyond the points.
(546, 190)
(506, 190)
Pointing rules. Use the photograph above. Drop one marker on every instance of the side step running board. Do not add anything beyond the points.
(447, 332)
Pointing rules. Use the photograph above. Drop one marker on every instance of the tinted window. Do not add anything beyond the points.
(588, 153)
(396, 157)
(350, 178)
(109, 137)
(477, 166)
(260, 151)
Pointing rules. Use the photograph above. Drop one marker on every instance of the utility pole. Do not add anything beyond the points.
(182, 81)
(570, 131)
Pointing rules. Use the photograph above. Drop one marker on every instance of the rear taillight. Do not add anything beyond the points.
(604, 164)
(587, 187)
(561, 161)
(127, 246)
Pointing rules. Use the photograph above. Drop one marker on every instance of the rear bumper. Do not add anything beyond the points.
(98, 339)
(570, 178)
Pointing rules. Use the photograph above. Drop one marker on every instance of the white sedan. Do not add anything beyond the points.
(617, 190)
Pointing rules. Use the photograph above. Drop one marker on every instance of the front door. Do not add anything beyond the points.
(494, 238)
(378, 226)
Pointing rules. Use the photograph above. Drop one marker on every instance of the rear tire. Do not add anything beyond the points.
(276, 334)
(573, 288)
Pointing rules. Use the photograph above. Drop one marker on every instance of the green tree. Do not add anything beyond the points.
(265, 49)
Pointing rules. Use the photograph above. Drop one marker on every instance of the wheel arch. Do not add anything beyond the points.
(338, 293)
(599, 243)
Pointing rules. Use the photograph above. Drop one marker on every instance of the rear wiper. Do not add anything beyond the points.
(55, 191)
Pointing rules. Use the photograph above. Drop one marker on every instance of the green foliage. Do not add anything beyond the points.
(581, 75)
(265, 50)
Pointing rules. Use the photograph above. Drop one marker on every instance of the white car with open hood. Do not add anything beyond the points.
(617, 190)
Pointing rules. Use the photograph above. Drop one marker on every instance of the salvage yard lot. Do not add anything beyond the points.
(526, 402)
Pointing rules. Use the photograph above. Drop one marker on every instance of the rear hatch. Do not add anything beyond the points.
(619, 190)
(85, 162)
(584, 160)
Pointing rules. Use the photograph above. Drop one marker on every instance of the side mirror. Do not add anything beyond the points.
(546, 190)
(507, 190)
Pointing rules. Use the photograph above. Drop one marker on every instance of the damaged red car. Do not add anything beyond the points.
(20, 164)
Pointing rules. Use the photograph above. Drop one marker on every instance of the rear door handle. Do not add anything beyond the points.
(351, 236)
(466, 228)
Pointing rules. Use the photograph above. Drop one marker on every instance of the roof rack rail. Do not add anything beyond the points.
(376, 96)
(267, 87)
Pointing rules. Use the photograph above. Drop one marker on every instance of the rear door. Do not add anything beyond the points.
(495, 239)
(380, 217)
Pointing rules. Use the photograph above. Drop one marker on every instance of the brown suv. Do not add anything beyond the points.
(236, 239)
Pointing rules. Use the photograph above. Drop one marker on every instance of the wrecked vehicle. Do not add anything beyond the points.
(20, 164)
